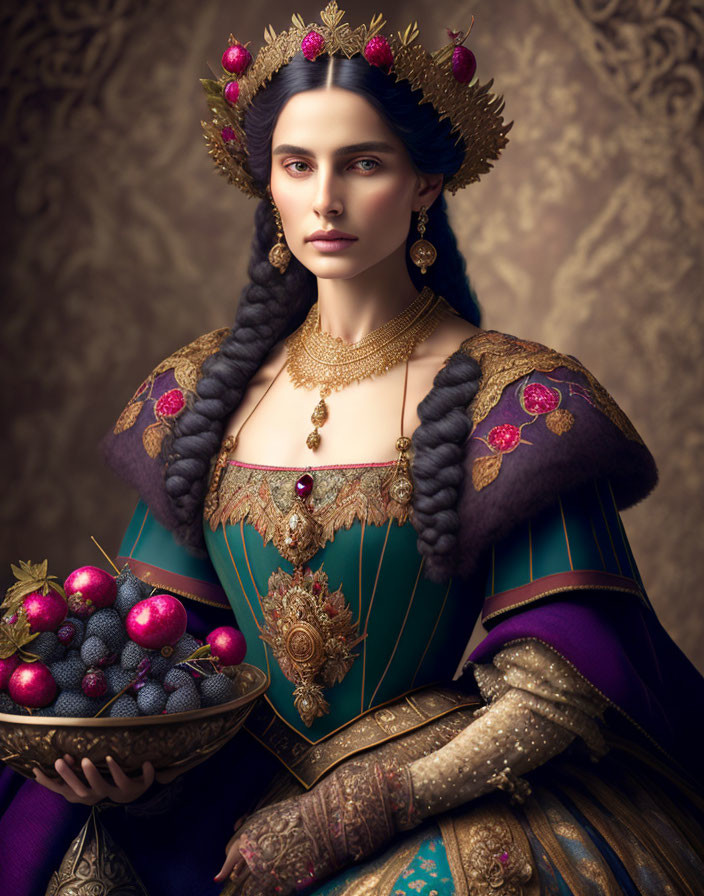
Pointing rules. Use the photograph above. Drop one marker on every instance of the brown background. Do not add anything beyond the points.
(123, 245)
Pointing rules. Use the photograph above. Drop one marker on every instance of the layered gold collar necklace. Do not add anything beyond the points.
(319, 360)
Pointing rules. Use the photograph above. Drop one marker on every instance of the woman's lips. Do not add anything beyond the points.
(334, 245)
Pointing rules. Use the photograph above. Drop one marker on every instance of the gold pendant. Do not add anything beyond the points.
(318, 418)
(401, 487)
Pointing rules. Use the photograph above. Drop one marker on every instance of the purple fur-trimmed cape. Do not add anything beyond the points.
(542, 425)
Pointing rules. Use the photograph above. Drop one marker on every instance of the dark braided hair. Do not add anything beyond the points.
(272, 305)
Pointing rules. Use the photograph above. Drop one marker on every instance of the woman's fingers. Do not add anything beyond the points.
(232, 859)
(98, 784)
(240, 866)
(47, 782)
(128, 788)
(122, 782)
(70, 778)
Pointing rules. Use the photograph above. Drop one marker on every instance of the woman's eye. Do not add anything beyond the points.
(290, 166)
(371, 163)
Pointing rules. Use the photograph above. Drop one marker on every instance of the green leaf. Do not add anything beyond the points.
(212, 88)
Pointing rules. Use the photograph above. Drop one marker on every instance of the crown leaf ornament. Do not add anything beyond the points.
(446, 79)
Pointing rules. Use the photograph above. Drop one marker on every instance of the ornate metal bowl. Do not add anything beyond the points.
(167, 741)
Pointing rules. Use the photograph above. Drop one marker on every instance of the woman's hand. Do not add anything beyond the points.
(234, 865)
(119, 789)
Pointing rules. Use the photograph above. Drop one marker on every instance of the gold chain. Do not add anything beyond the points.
(318, 360)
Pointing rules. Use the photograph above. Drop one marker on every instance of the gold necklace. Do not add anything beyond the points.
(318, 360)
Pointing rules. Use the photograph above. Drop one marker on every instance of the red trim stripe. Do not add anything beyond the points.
(205, 592)
(553, 584)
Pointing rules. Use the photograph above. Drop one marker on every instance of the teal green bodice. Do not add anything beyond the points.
(403, 630)
(360, 571)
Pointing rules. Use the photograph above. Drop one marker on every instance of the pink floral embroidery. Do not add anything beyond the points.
(504, 438)
(170, 403)
(537, 400)
(540, 399)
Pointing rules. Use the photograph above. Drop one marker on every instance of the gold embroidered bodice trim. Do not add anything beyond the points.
(266, 497)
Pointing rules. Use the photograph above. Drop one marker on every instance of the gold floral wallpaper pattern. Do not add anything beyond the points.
(122, 245)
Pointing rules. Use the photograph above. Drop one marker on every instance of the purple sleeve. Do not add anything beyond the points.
(621, 648)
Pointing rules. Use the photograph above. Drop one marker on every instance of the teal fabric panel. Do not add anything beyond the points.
(426, 870)
(147, 541)
(412, 631)
(582, 530)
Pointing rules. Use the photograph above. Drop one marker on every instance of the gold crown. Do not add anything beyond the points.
(446, 79)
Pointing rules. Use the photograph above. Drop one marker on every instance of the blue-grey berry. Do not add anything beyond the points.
(151, 699)
(109, 627)
(68, 674)
(184, 648)
(124, 706)
(8, 705)
(132, 656)
(183, 700)
(160, 665)
(117, 679)
(177, 678)
(130, 590)
(47, 647)
(94, 650)
(75, 705)
(216, 689)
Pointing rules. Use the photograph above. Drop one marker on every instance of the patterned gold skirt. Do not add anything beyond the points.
(624, 825)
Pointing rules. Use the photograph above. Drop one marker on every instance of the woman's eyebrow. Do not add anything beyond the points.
(369, 146)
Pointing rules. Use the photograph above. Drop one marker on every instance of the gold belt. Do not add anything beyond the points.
(309, 762)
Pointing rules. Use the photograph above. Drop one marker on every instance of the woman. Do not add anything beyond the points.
(359, 470)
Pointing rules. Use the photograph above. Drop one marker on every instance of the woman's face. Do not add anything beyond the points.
(336, 165)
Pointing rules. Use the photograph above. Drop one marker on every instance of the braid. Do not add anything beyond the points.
(271, 305)
(438, 445)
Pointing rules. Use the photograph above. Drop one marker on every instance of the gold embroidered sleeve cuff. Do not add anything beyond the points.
(348, 816)
(538, 705)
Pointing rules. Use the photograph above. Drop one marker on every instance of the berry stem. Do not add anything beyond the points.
(95, 542)
(113, 699)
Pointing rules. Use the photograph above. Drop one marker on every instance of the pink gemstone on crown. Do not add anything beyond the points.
(378, 52)
(236, 59)
(464, 64)
(503, 858)
(540, 399)
(504, 438)
(231, 92)
(170, 403)
(312, 45)
(304, 485)
(228, 134)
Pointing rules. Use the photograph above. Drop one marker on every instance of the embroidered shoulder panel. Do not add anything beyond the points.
(163, 398)
(504, 359)
(340, 495)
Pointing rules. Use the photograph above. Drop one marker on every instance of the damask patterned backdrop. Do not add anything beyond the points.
(124, 245)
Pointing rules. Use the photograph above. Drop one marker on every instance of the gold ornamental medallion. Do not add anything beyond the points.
(311, 634)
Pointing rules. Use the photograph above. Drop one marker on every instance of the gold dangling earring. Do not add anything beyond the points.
(423, 253)
(279, 254)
